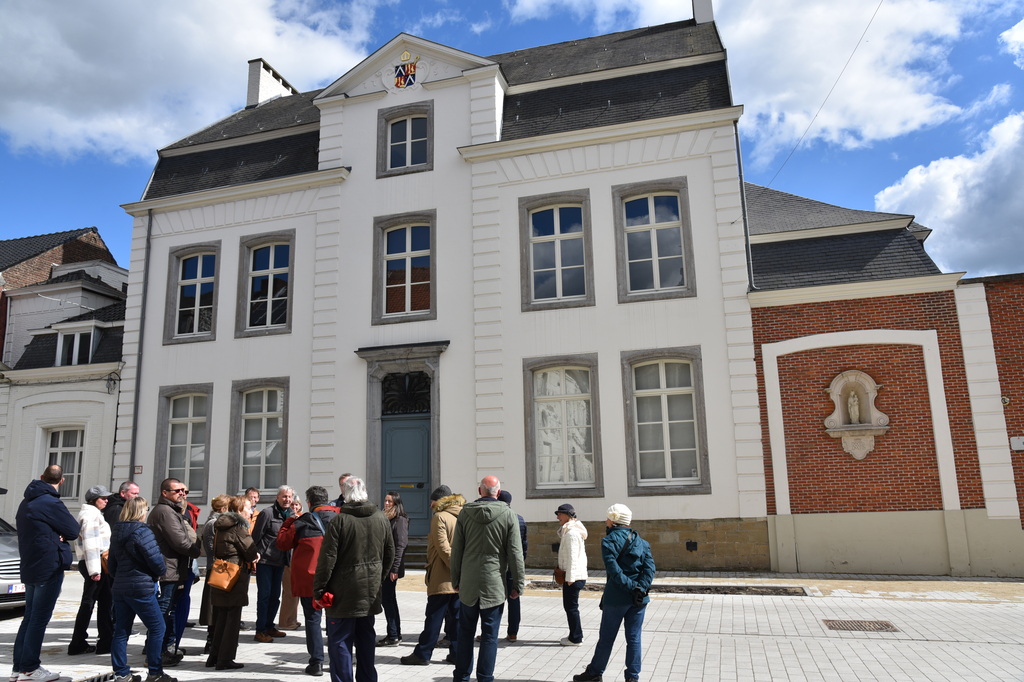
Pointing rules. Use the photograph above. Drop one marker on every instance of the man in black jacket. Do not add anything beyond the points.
(44, 528)
(115, 503)
(270, 567)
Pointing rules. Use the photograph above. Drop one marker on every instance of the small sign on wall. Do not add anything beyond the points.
(1017, 443)
(138, 470)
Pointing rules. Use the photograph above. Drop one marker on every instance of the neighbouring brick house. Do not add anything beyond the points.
(63, 329)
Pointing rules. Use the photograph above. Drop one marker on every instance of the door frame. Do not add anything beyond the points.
(401, 359)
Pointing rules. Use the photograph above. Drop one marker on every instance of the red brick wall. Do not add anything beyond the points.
(1006, 312)
(901, 473)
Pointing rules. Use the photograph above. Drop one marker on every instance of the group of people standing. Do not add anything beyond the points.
(343, 558)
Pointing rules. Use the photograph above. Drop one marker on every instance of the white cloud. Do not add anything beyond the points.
(972, 202)
(1013, 42)
(121, 78)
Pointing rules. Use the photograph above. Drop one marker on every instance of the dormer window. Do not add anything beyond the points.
(405, 139)
(76, 348)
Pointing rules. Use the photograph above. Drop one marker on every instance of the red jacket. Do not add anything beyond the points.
(303, 535)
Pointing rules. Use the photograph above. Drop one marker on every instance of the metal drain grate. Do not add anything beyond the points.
(861, 625)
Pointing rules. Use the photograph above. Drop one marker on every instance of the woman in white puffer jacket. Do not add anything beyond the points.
(572, 558)
(93, 542)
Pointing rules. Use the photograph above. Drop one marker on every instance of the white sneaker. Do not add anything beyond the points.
(14, 677)
(565, 641)
(40, 674)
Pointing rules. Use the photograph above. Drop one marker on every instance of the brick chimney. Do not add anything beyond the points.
(702, 12)
(265, 83)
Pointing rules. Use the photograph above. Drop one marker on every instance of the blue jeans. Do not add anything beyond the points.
(183, 606)
(611, 618)
(40, 598)
(314, 635)
(268, 595)
(168, 600)
(342, 635)
(438, 607)
(389, 600)
(571, 604)
(490, 623)
(147, 608)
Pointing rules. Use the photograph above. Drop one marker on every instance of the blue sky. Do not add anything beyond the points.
(927, 119)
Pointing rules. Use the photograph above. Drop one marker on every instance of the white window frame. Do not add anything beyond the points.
(78, 344)
(246, 275)
(195, 482)
(176, 259)
(406, 112)
(535, 488)
(72, 486)
(621, 195)
(701, 484)
(237, 465)
(528, 206)
(383, 225)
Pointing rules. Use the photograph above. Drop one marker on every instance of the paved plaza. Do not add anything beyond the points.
(943, 629)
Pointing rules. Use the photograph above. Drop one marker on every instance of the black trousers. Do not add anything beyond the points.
(226, 622)
(95, 595)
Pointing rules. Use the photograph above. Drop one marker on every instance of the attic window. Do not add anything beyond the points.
(405, 139)
(75, 348)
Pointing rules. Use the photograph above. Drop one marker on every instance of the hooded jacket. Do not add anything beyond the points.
(135, 559)
(232, 542)
(438, 577)
(112, 512)
(356, 555)
(485, 546)
(628, 564)
(302, 535)
(175, 537)
(572, 550)
(45, 527)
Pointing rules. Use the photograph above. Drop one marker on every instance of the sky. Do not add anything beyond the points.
(902, 106)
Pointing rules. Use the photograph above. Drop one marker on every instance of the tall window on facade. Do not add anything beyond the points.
(75, 348)
(262, 438)
(654, 243)
(407, 270)
(557, 260)
(666, 422)
(268, 286)
(407, 142)
(563, 427)
(186, 449)
(196, 294)
(66, 448)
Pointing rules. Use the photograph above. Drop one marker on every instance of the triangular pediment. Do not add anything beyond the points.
(404, 63)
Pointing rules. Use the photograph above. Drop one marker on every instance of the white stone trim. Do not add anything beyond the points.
(849, 292)
(990, 432)
(929, 342)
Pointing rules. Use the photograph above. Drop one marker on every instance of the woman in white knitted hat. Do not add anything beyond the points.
(629, 566)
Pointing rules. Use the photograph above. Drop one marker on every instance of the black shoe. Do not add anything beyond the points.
(102, 649)
(171, 659)
(450, 658)
(244, 627)
(587, 677)
(389, 641)
(210, 663)
(632, 679)
(190, 624)
(413, 659)
(78, 649)
(316, 669)
(206, 649)
(230, 665)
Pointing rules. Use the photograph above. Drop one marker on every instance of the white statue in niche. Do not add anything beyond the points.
(853, 408)
(855, 419)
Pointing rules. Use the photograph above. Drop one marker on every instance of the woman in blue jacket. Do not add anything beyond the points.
(629, 566)
(136, 565)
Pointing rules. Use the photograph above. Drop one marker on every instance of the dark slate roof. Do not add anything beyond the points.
(845, 259)
(770, 211)
(41, 351)
(600, 53)
(14, 251)
(82, 276)
(616, 100)
(278, 114)
(237, 165)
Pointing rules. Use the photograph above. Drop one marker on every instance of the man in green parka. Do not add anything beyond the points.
(485, 546)
(357, 552)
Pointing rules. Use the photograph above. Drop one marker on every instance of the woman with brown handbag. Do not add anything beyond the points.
(231, 543)
(572, 563)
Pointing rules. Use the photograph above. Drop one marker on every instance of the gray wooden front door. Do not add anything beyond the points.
(405, 443)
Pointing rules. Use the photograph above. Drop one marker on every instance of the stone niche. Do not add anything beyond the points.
(855, 419)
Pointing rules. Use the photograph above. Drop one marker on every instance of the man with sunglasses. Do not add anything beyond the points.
(179, 544)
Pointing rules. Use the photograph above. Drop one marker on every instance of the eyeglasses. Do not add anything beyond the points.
(177, 490)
